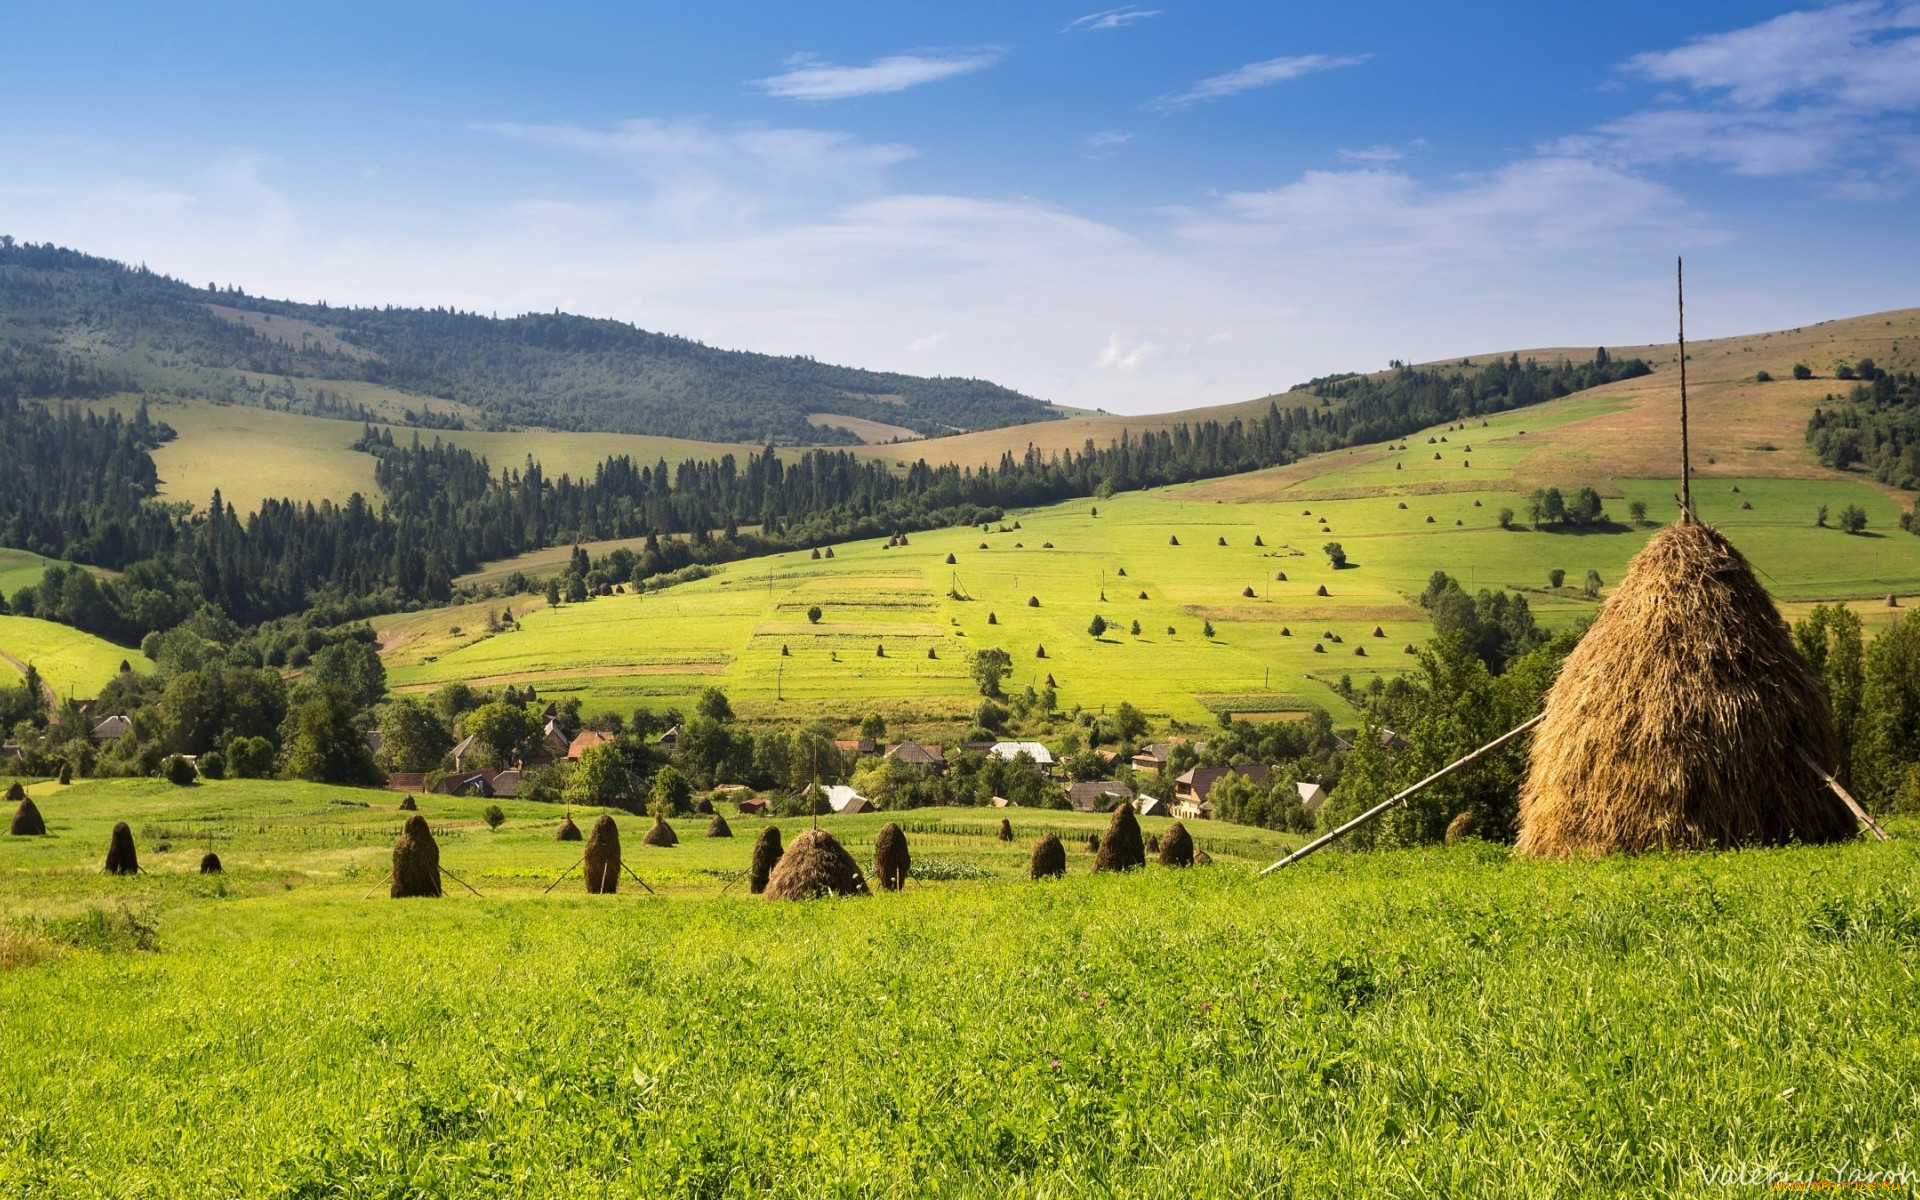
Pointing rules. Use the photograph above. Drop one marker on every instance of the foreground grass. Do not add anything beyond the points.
(1428, 1023)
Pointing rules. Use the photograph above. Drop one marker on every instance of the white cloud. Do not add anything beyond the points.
(1262, 74)
(1112, 18)
(1121, 357)
(1107, 138)
(1373, 154)
(810, 79)
(1829, 93)
(922, 345)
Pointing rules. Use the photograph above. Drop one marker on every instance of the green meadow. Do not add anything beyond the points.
(898, 623)
(74, 663)
(1434, 1022)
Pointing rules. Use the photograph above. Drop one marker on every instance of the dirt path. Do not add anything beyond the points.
(53, 700)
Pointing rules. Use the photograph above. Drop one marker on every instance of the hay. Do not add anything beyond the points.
(816, 864)
(1674, 723)
(718, 827)
(407, 804)
(891, 861)
(27, 821)
(15, 793)
(1176, 848)
(121, 856)
(416, 861)
(1049, 859)
(1153, 843)
(661, 834)
(210, 864)
(766, 856)
(1321, 590)
(1893, 601)
(568, 831)
(602, 863)
(1006, 830)
(1093, 843)
(1202, 859)
(1465, 825)
(1122, 848)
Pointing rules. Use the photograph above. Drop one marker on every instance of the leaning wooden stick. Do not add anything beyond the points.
(1327, 839)
(376, 887)
(463, 883)
(1826, 777)
(638, 880)
(563, 875)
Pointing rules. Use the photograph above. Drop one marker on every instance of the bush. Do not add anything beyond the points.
(177, 771)
(1097, 626)
(212, 765)
(250, 758)
(494, 816)
(813, 614)
(1802, 371)
(1556, 577)
(1762, 377)
(1853, 519)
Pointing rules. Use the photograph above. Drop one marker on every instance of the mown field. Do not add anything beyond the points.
(75, 664)
(1437, 1022)
(1269, 652)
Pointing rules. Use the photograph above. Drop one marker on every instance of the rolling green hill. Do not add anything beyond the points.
(76, 326)
(74, 664)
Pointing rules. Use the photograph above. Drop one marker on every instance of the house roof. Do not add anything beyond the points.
(113, 727)
(585, 740)
(753, 804)
(865, 745)
(466, 745)
(507, 783)
(915, 754)
(1151, 806)
(1200, 780)
(375, 740)
(842, 798)
(671, 734)
(1033, 750)
(1312, 795)
(1092, 795)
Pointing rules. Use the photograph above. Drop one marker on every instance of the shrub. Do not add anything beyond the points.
(1556, 577)
(813, 614)
(1853, 519)
(1802, 371)
(177, 770)
(1336, 554)
(1762, 377)
(1206, 629)
(494, 816)
(212, 766)
(1097, 626)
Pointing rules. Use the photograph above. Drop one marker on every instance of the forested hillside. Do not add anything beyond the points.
(76, 326)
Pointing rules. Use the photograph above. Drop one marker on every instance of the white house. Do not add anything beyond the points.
(843, 799)
(1312, 796)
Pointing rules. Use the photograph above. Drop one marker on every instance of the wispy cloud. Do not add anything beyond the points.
(1373, 154)
(1106, 143)
(1262, 74)
(922, 345)
(1121, 357)
(1829, 93)
(808, 78)
(1112, 18)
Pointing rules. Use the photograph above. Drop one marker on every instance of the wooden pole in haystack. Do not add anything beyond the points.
(1686, 460)
(1327, 839)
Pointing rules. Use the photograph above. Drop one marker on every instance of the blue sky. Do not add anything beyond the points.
(1138, 208)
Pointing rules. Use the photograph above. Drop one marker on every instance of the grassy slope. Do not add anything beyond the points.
(728, 629)
(21, 568)
(1425, 1023)
(76, 664)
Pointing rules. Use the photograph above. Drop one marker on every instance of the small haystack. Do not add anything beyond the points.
(766, 856)
(1006, 830)
(891, 861)
(1202, 859)
(1153, 843)
(1893, 601)
(1321, 590)
(568, 831)
(1049, 859)
(1122, 849)
(1176, 848)
(210, 864)
(416, 861)
(27, 821)
(1093, 843)
(407, 804)
(601, 867)
(1464, 825)
(1173, 540)
(121, 857)
(661, 834)
(816, 864)
(718, 827)
(1679, 720)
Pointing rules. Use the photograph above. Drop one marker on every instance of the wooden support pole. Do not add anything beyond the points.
(1826, 777)
(376, 887)
(562, 875)
(463, 883)
(1327, 839)
(637, 879)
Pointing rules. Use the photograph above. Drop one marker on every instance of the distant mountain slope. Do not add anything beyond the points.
(73, 325)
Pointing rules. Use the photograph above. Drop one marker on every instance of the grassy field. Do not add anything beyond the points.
(21, 568)
(728, 630)
(1440, 1022)
(75, 664)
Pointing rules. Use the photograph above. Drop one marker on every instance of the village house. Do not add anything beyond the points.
(927, 760)
(586, 740)
(1190, 789)
(1100, 795)
(844, 800)
(112, 729)
(1034, 750)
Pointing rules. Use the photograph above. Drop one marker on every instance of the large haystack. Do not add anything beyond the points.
(661, 834)
(122, 859)
(568, 831)
(407, 804)
(1122, 849)
(210, 864)
(766, 856)
(1049, 859)
(718, 827)
(27, 821)
(416, 861)
(891, 862)
(1176, 848)
(601, 866)
(816, 864)
(1676, 722)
